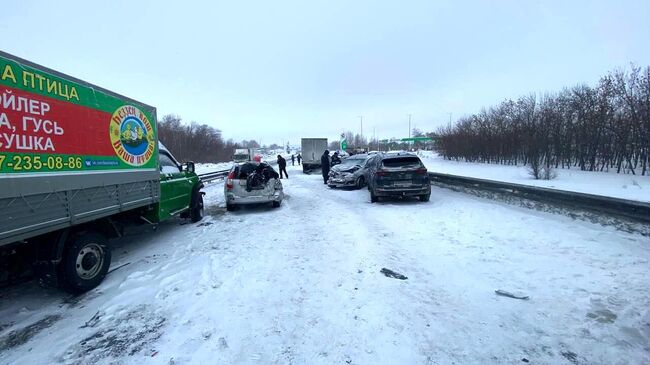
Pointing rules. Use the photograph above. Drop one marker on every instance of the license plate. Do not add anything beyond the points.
(402, 183)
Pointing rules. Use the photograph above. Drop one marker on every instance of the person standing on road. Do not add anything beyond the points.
(293, 159)
(336, 159)
(299, 158)
(325, 165)
(282, 166)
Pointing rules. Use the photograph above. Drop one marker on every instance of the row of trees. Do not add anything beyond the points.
(198, 142)
(193, 141)
(603, 127)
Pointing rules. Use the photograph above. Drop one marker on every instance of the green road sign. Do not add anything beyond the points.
(344, 144)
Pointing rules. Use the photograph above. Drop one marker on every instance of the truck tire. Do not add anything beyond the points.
(85, 262)
(276, 204)
(196, 211)
(425, 197)
(230, 207)
(373, 197)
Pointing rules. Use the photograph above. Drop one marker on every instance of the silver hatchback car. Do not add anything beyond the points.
(252, 183)
(351, 172)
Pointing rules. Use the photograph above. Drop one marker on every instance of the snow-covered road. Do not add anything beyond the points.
(302, 285)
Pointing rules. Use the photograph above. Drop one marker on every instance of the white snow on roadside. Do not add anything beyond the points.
(624, 186)
(302, 284)
(204, 168)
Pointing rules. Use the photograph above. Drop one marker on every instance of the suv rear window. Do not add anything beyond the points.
(402, 162)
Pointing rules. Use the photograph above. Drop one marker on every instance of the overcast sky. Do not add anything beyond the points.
(276, 71)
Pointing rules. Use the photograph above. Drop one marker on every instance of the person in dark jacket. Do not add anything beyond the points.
(336, 159)
(299, 158)
(282, 166)
(325, 165)
(293, 160)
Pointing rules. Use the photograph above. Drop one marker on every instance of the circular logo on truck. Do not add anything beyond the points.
(132, 135)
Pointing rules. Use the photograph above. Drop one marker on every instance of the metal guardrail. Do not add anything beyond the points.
(216, 175)
(211, 176)
(636, 210)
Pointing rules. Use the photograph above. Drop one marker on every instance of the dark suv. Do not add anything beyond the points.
(398, 174)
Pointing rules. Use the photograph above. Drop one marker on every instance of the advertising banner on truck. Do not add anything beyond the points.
(53, 123)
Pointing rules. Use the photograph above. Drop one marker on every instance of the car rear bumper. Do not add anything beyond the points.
(254, 199)
(403, 191)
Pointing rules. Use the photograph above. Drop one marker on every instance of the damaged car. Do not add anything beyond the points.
(349, 173)
(253, 183)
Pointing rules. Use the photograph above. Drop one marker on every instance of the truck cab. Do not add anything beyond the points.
(179, 188)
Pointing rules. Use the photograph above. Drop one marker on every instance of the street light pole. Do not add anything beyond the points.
(409, 125)
(361, 118)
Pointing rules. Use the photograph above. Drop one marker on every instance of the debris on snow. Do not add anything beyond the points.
(392, 274)
(21, 336)
(118, 267)
(504, 293)
(93, 320)
(123, 333)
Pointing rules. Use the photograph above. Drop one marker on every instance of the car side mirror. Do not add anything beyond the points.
(189, 167)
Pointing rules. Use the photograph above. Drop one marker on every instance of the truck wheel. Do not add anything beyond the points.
(373, 197)
(196, 212)
(425, 197)
(230, 207)
(85, 262)
(276, 204)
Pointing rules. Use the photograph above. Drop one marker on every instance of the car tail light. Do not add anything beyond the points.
(382, 173)
(421, 171)
(229, 184)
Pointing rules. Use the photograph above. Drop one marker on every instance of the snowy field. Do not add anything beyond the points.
(624, 186)
(204, 168)
(302, 285)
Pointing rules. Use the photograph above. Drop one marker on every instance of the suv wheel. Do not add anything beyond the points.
(373, 197)
(360, 182)
(230, 207)
(425, 197)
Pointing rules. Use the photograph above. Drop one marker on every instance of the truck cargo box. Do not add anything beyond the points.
(70, 151)
(311, 150)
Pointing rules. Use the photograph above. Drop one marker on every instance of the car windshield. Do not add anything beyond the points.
(353, 161)
(402, 162)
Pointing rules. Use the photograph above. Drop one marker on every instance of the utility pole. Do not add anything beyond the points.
(361, 118)
(374, 136)
(449, 120)
(409, 142)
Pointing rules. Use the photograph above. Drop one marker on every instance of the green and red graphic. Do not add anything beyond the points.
(48, 124)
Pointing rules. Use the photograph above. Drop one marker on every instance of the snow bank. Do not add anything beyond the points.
(204, 168)
(624, 186)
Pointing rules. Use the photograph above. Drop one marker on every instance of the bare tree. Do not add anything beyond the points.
(591, 128)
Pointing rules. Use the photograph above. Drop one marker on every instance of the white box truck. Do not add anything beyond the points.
(242, 155)
(311, 150)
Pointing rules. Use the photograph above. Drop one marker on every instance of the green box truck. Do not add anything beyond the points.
(77, 164)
